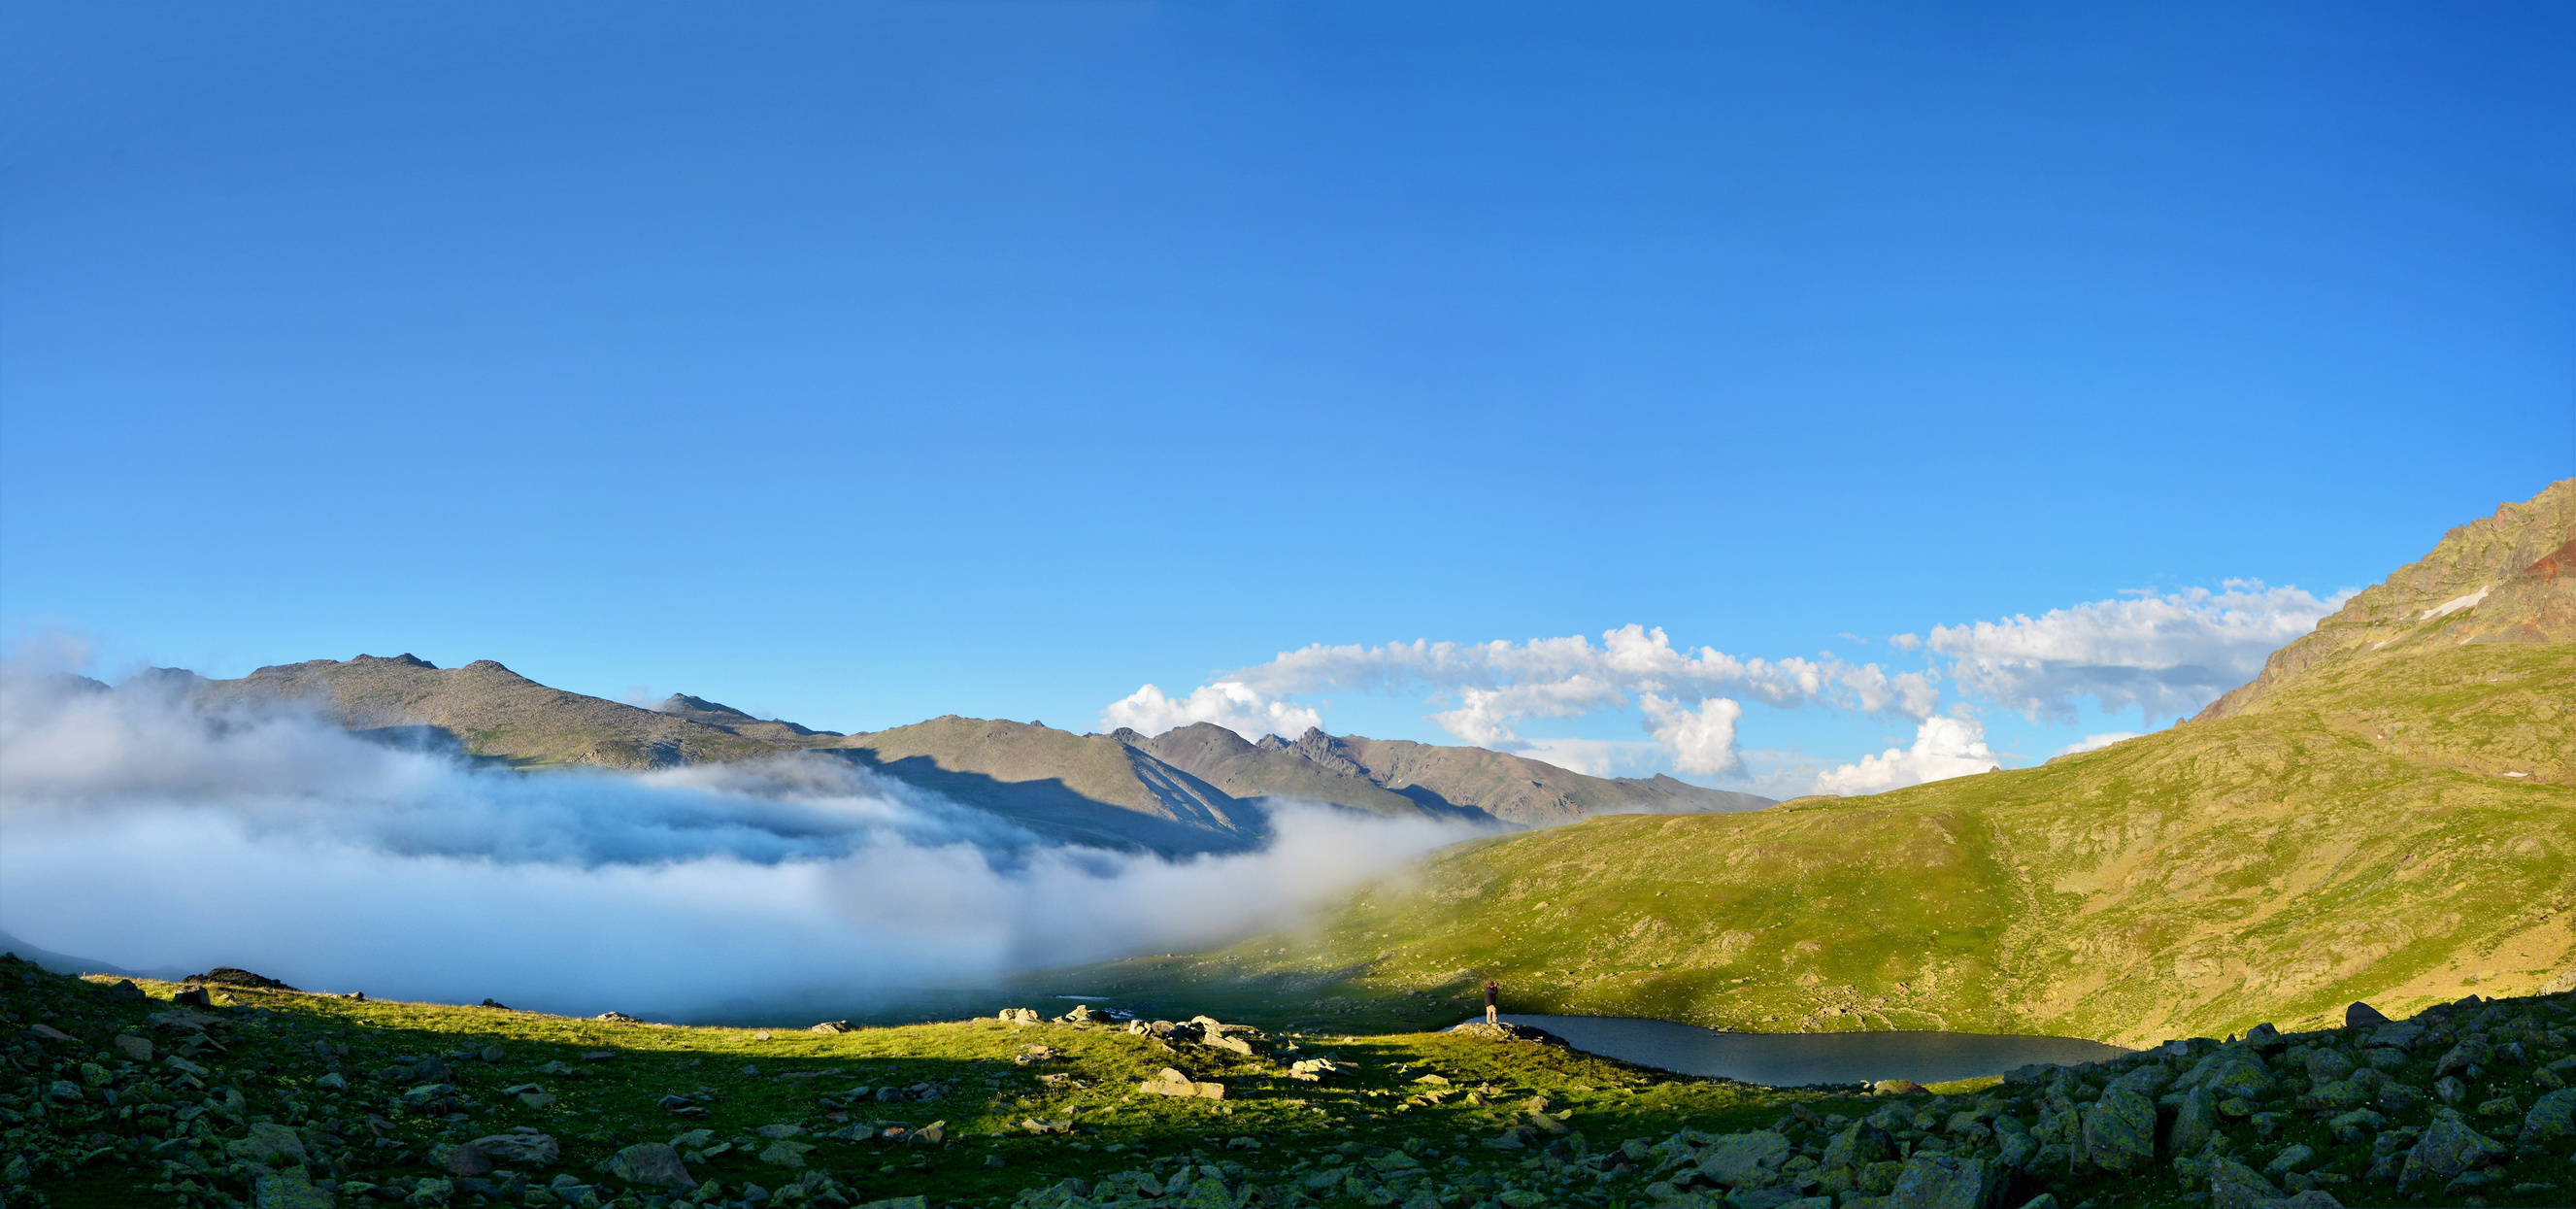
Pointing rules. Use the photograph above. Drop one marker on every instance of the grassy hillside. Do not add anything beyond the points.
(2394, 824)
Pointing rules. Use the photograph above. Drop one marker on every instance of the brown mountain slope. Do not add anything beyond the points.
(1393, 776)
(727, 718)
(2508, 578)
(1088, 787)
(488, 710)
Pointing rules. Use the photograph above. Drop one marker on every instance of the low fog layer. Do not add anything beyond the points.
(142, 832)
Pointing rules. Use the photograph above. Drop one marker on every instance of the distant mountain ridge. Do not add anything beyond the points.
(1375, 774)
(1195, 788)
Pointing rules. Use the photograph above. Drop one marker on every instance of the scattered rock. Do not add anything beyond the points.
(834, 1026)
(2447, 1148)
(2233, 1185)
(1020, 1015)
(134, 1047)
(1896, 1087)
(269, 1145)
(496, 1004)
(617, 1018)
(2120, 1132)
(520, 1147)
(2551, 1119)
(783, 1153)
(1945, 1182)
(1741, 1159)
(193, 997)
(651, 1163)
(1173, 1083)
(464, 1160)
(2362, 1015)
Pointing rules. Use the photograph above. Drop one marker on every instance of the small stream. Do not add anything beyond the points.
(1798, 1059)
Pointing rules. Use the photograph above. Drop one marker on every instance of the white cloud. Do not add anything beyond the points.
(1228, 703)
(804, 881)
(1943, 748)
(1492, 687)
(1702, 741)
(2094, 742)
(2169, 654)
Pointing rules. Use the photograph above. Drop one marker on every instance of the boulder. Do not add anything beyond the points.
(651, 1163)
(2447, 1148)
(1859, 1145)
(2291, 1158)
(2195, 1120)
(134, 1047)
(2265, 1039)
(783, 1153)
(2232, 1072)
(2472, 1052)
(465, 1160)
(1018, 1015)
(1173, 1083)
(2362, 1015)
(1946, 1182)
(2552, 1119)
(520, 1147)
(1896, 1087)
(2233, 1185)
(2326, 1064)
(286, 1190)
(269, 1145)
(2120, 1132)
(1742, 1159)
(837, 1026)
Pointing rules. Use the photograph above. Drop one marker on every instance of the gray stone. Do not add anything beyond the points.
(2384, 1057)
(2233, 1185)
(2194, 1122)
(2362, 1015)
(2325, 1065)
(286, 1191)
(269, 1145)
(2450, 1089)
(2472, 1052)
(2352, 1127)
(2447, 1148)
(460, 1160)
(1946, 1182)
(2552, 1119)
(2120, 1132)
(2290, 1159)
(2310, 1199)
(2231, 1072)
(1859, 1146)
(1736, 1158)
(526, 1148)
(651, 1163)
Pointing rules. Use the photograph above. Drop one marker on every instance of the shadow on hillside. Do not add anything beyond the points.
(1054, 809)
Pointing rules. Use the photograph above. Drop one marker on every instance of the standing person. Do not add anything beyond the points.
(1492, 991)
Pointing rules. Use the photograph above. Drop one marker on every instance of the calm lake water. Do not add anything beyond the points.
(1796, 1059)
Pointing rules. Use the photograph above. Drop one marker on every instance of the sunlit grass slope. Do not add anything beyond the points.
(2389, 815)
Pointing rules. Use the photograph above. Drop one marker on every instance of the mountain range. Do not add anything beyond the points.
(1198, 788)
(2388, 813)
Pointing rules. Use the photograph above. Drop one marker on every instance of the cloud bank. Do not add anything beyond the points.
(143, 833)
(2168, 655)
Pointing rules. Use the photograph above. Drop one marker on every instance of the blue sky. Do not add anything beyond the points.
(862, 363)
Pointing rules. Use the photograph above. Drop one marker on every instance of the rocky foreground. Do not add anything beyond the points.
(248, 1094)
